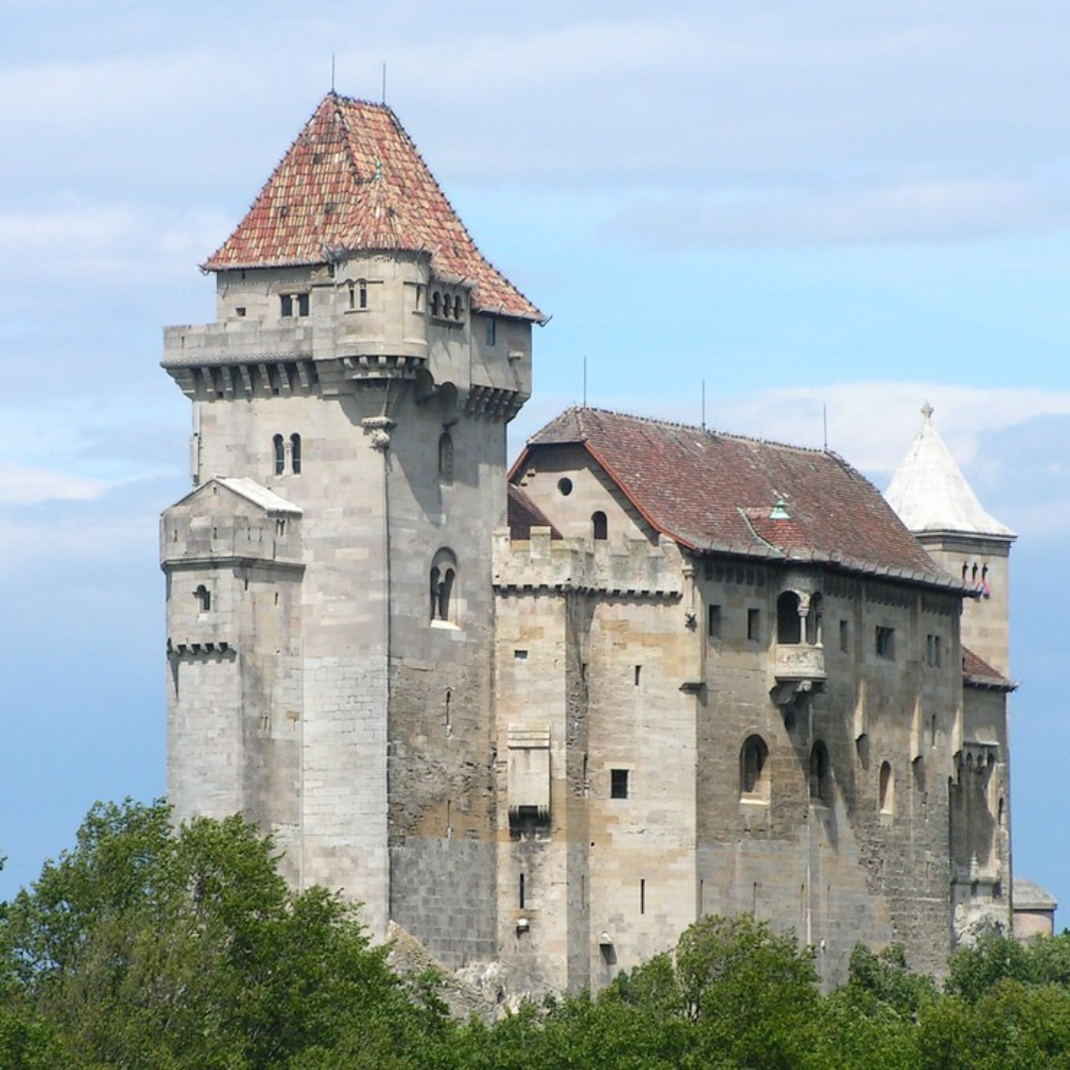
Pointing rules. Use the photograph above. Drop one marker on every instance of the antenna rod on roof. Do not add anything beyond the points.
(703, 404)
(585, 382)
(825, 420)
(384, 81)
(332, 72)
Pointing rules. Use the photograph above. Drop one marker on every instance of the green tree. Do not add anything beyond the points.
(150, 946)
(748, 993)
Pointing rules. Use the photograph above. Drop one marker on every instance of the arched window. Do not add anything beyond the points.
(295, 454)
(204, 598)
(820, 781)
(445, 457)
(362, 294)
(447, 306)
(753, 775)
(788, 623)
(887, 789)
(280, 455)
(442, 587)
(599, 526)
(458, 309)
(436, 300)
(814, 621)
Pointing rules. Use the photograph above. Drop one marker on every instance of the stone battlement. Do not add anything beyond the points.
(633, 568)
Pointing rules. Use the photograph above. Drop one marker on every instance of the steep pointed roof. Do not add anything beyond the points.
(354, 180)
(730, 494)
(930, 493)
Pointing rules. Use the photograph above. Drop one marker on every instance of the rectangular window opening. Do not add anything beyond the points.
(713, 622)
(754, 623)
(642, 897)
(638, 670)
(520, 655)
(522, 895)
(885, 643)
(845, 635)
(618, 783)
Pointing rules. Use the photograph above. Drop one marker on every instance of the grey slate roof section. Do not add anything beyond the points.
(1028, 895)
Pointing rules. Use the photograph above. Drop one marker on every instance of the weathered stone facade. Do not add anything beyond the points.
(554, 734)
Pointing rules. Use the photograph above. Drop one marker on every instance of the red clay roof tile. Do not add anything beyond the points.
(354, 180)
(524, 515)
(715, 492)
(976, 672)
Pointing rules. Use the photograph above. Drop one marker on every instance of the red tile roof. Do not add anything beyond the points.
(354, 180)
(715, 492)
(976, 672)
(524, 514)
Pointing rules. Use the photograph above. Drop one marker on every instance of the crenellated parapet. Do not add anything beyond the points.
(634, 567)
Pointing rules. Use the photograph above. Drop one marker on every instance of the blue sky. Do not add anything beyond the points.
(807, 206)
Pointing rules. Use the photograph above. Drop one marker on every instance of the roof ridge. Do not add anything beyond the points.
(738, 436)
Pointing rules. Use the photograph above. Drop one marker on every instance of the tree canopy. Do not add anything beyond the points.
(147, 945)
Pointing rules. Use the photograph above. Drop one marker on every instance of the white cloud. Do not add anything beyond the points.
(24, 485)
(927, 209)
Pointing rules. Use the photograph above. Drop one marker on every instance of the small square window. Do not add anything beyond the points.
(754, 623)
(618, 783)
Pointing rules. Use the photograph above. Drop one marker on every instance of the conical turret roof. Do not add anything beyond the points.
(930, 493)
(353, 180)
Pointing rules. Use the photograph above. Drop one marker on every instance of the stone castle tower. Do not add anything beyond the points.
(553, 715)
(938, 505)
(935, 501)
(329, 600)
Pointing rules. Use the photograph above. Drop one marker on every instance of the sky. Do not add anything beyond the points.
(816, 214)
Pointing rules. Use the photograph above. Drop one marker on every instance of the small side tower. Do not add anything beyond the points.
(934, 500)
(329, 596)
(937, 504)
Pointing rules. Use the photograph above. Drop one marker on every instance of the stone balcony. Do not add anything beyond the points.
(799, 669)
(799, 661)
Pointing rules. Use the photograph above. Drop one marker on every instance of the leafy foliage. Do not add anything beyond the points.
(147, 945)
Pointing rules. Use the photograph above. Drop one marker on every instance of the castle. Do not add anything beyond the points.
(549, 716)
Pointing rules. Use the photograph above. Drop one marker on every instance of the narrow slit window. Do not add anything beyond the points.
(295, 454)
(713, 622)
(280, 454)
(885, 643)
